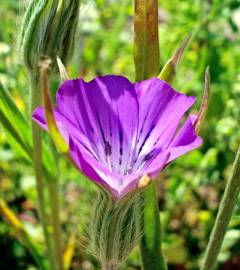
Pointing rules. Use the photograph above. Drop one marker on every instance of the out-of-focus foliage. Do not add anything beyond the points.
(190, 189)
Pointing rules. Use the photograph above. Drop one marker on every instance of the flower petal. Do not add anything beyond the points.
(105, 110)
(38, 116)
(152, 169)
(96, 171)
(65, 127)
(186, 139)
(161, 109)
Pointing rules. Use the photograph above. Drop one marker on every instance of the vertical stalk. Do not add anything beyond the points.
(146, 58)
(45, 69)
(37, 157)
(146, 40)
(55, 221)
(151, 251)
(225, 212)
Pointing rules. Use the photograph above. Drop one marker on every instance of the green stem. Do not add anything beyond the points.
(146, 58)
(54, 202)
(151, 252)
(224, 215)
(53, 180)
(146, 39)
(37, 157)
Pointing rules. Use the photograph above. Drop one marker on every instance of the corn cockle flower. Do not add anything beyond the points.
(119, 132)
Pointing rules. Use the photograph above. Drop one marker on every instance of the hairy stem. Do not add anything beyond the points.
(225, 212)
(37, 158)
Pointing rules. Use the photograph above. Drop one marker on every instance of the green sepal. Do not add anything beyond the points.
(168, 72)
(48, 29)
(114, 229)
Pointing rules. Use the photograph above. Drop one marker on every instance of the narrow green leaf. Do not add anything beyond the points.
(146, 48)
(13, 120)
(13, 138)
(18, 129)
(8, 102)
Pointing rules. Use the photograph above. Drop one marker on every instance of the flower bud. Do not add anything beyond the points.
(114, 229)
(168, 72)
(48, 29)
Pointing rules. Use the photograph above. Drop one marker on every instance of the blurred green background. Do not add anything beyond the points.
(190, 189)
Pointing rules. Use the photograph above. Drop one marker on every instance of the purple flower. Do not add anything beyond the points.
(119, 132)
